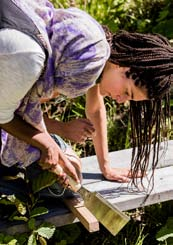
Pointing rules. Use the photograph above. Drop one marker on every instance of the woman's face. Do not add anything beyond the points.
(116, 85)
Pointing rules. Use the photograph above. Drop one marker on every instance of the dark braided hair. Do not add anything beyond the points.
(150, 59)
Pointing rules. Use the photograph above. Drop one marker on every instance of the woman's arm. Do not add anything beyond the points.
(96, 112)
(51, 154)
(76, 130)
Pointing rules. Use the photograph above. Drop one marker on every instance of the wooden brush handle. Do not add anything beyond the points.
(74, 185)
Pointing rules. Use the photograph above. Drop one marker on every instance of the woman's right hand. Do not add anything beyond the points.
(52, 156)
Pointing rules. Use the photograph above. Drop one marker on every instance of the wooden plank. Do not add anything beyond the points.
(76, 205)
(122, 158)
(162, 191)
(124, 196)
(59, 215)
(57, 220)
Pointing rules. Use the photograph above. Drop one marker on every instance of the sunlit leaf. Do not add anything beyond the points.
(11, 198)
(21, 208)
(23, 218)
(46, 231)
(32, 240)
(12, 242)
(38, 211)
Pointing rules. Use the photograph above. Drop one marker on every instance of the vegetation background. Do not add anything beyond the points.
(150, 225)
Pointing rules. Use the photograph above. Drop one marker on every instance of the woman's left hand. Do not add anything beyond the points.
(77, 130)
(122, 175)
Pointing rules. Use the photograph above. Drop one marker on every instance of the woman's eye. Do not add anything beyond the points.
(127, 93)
(130, 95)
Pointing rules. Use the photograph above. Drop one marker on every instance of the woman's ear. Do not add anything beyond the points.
(110, 65)
(125, 69)
(121, 68)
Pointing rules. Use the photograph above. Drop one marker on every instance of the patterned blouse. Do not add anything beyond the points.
(77, 50)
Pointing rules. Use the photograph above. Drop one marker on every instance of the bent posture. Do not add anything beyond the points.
(46, 53)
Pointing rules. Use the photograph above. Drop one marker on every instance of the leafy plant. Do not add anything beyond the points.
(27, 211)
(41, 233)
(66, 235)
(43, 180)
(166, 232)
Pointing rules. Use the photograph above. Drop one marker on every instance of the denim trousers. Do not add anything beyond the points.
(9, 184)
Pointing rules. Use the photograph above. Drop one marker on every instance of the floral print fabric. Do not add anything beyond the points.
(77, 50)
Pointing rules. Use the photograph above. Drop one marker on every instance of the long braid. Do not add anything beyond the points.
(150, 58)
(146, 118)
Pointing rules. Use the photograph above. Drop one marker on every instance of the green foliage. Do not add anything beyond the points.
(46, 230)
(132, 15)
(32, 239)
(27, 212)
(31, 224)
(166, 231)
(67, 234)
(12, 200)
(38, 211)
(164, 22)
(117, 124)
(43, 180)
(41, 233)
(7, 240)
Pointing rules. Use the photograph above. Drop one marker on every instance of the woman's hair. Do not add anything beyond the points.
(150, 59)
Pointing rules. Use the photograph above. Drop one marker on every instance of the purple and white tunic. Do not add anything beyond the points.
(77, 52)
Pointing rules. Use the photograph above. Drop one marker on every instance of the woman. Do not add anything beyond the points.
(143, 76)
(58, 52)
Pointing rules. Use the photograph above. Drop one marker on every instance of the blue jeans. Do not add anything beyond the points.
(19, 187)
